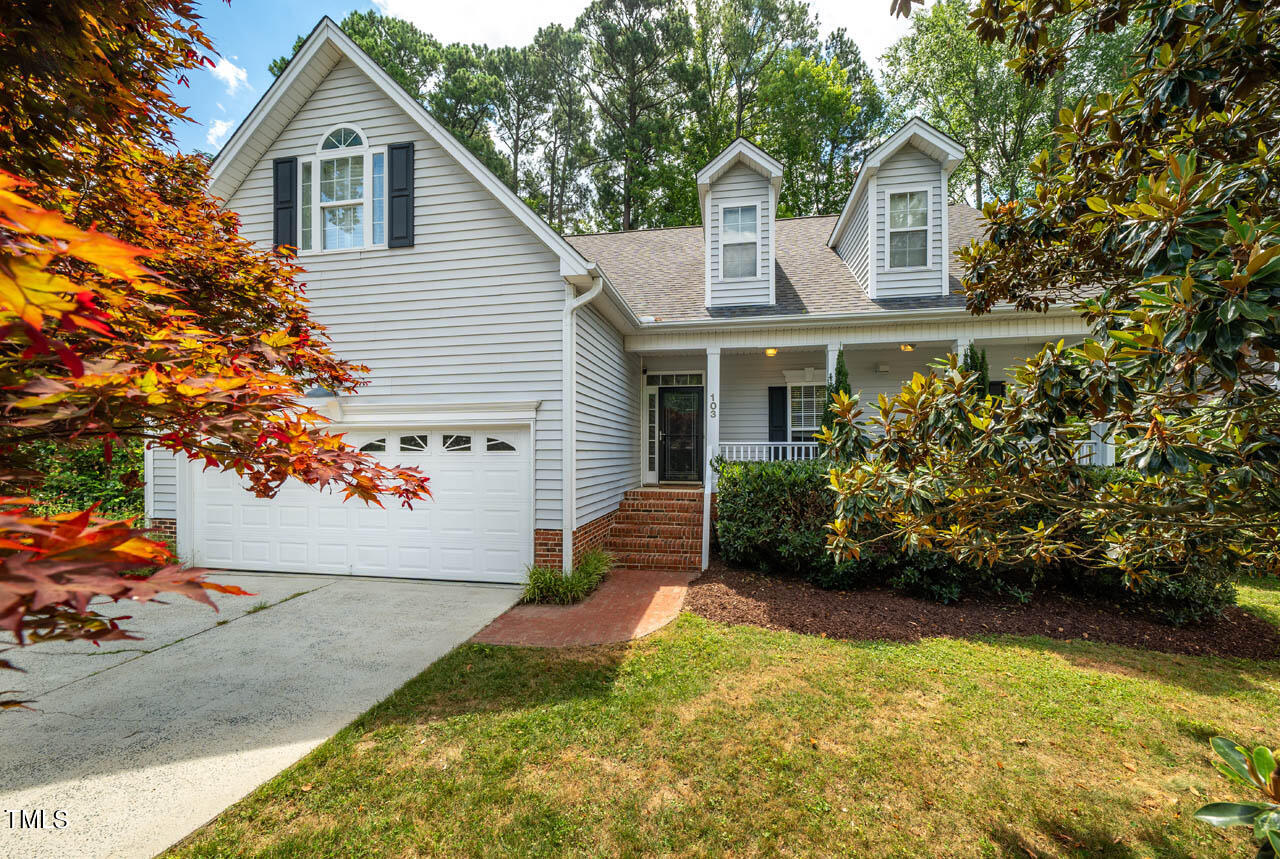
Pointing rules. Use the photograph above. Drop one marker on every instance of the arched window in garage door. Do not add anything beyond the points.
(378, 445)
(413, 443)
(498, 445)
(457, 443)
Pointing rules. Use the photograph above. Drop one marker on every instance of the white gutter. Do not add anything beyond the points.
(569, 413)
(802, 319)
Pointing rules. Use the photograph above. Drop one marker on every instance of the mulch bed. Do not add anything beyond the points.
(738, 597)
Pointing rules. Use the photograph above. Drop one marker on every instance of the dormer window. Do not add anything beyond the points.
(739, 244)
(909, 229)
(343, 193)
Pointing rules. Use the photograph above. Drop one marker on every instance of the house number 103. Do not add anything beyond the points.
(711, 406)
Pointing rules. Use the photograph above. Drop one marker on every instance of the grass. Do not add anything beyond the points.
(704, 739)
(1260, 597)
(548, 585)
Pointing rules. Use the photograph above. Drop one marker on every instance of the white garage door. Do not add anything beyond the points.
(476, 527)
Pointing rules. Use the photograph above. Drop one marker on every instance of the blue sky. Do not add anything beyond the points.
(249, 35)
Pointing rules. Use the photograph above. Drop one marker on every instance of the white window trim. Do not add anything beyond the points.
(791, 429)
(889, 230)
(317, 208)
(734, 204)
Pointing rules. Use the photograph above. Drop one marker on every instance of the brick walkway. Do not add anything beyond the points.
(630, 604)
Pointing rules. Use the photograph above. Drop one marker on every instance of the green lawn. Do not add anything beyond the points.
(705, 740)
(1261, 597)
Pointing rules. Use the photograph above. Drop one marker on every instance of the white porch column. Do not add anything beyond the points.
(833, 352)
(959, 345)
(712, 448)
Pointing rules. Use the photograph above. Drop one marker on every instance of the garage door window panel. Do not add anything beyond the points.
(414, 443)
(457, 443)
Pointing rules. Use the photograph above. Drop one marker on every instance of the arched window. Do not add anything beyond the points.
(341, 138)
(344, 201)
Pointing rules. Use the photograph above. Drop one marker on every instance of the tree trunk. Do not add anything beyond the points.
(626, 193)
(977, 188)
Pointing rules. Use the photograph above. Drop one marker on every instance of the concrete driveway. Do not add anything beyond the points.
(138, 743)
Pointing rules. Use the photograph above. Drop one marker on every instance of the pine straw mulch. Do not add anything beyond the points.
(735, 596)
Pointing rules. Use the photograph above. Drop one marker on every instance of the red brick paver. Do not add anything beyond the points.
(630, 604)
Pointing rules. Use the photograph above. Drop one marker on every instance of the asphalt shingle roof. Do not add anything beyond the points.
(661, 273)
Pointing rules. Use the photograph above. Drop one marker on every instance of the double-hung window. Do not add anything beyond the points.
(343, 193)
(909, 229)
(739, 245)
(807, 405)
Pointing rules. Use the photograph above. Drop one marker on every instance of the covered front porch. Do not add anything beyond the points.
(767, 403)
(764, 403)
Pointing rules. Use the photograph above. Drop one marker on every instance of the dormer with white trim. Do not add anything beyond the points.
(738, 196)
(893, 231)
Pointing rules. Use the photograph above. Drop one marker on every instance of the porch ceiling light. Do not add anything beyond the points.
(770, 352)
(907, 347)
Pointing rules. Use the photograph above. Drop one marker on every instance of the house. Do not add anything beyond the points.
(563, 392)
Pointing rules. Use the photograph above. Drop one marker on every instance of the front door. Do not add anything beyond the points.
(680, 434)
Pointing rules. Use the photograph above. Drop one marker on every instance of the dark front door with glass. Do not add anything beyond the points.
(680, 434)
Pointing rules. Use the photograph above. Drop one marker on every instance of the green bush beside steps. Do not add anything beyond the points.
(772, 518)
(551, 585)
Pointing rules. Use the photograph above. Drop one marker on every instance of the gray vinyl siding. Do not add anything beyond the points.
(744, 390)
(471, 314)
(608, 410)
(908, 168)
(163, 487)
(740, 185)
(853, 247)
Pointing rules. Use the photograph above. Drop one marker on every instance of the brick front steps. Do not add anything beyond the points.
(657, 529)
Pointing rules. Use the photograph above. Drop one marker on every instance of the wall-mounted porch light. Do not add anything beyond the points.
(907, 347)
(770, 352)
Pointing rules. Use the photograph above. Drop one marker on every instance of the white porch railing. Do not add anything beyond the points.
(768, 451)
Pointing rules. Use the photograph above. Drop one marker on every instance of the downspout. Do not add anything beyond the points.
(569, 416)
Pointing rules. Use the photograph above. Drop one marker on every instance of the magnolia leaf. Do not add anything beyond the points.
(1233, 759)
(1230, 813)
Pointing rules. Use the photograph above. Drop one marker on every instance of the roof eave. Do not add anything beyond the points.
(826, 319)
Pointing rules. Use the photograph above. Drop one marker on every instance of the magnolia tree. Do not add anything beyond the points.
(1156, 215)
(130, 308)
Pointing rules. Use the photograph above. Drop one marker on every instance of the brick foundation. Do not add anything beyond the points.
(593, 535)
(548, 549)
(167, 528)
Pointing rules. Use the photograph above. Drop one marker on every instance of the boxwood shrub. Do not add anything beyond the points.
(772, 516)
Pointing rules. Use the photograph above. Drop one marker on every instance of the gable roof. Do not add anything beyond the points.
(318, 54)
(938, 145)
(740, 151)
(660, 272)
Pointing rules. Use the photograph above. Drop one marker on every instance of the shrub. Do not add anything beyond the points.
(550, 585)
(772, 518)
(77, 476)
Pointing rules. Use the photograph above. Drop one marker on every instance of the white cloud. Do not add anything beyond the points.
(218, 130)
(869, 22)
(514, 22)
(232, 76)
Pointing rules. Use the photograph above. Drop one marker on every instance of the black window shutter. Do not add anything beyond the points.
(400, 195)
(778, 413)
(284, 172)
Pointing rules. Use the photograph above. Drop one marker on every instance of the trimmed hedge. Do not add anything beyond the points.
(772, 516)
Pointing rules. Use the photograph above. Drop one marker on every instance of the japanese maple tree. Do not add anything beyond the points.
(130, 307)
